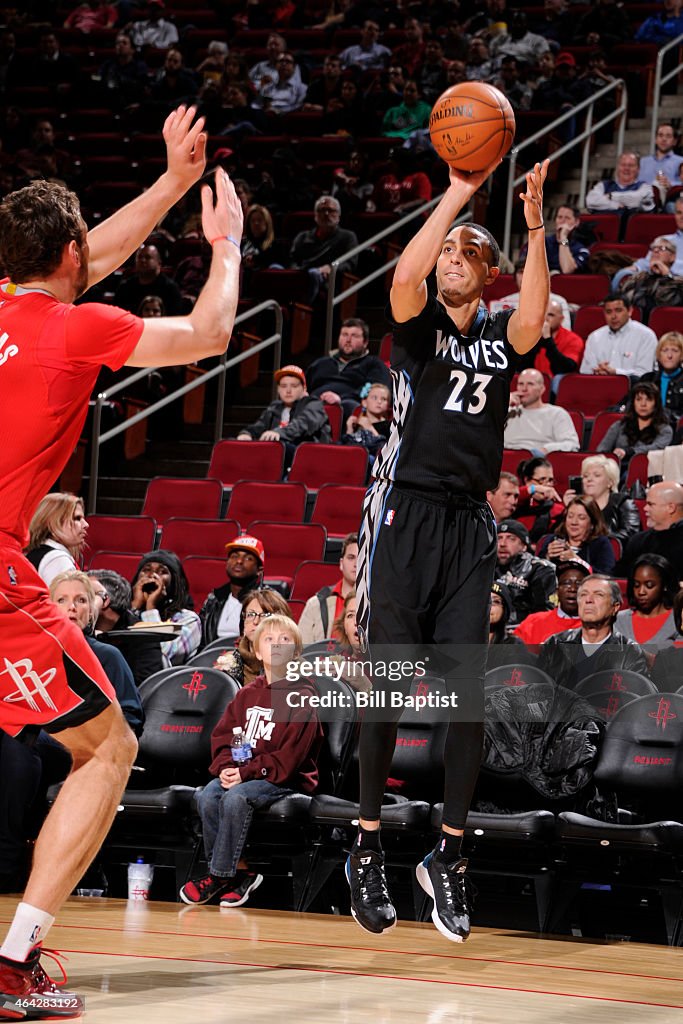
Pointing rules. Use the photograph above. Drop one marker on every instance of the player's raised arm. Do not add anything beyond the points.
(409, 289)
(117, 238)
(170, 341)
(526, 323)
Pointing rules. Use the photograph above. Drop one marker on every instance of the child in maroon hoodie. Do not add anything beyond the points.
(285, 738)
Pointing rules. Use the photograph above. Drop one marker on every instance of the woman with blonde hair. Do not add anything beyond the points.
(669, 373)
(600, 481)
(57, 535)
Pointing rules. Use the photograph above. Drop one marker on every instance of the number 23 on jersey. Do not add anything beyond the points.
(472, 403)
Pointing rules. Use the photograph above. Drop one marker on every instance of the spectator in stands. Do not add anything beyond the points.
(557, 22)
(409, 55)
(643, 263)
(504, 647)
(212, 66)
(53, 68)
(534, 424)
(519, 42)
(431, 74)
(582, 533)
(346, 116)
(149, 279)
(511, 301)
(74, 595)
(161, 594)
(406, 185)
(368, 54)
(220, 613)
(664, 533)
(600, 481)
(664, 26)
(409, 116)
(57, 535)
(479, 67)
(284, 761)
(259, 248)
(338, 378)
(531, 581)
(677, 236)
(622, 345)
(651, 588)
(321, 610)
(566, 252)
(316, 249)
(503, 500)
(352, 186)
(560, 349)
(666, 673)
(155, 30)
(241, 662)
(238, 116)
(538, 498)
(645, 426)
(563, 90)
(605, 24)
(594, 646)
(656, 286)
(625, 192)
(285, 93)
(43, 158)
(538, 626)
(508, 81)
(325, 87)
(668, 376)
(294, 416)
(663, 168)
(93, 14)
(123, 76)
(265, 72)
(374, 413)
(173, 83)
(113, 596)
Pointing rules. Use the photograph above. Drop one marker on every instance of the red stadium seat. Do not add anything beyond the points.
(339, 509)
(286, 545)
(335, 415)
(230, 460)
(313, 576)
(566, 464)
(605, 226)
(666, 318)
(200, 537)
(591, 318)
(637, 470)
(632, 249)
(579, 424)
(590, 393)
(616, 547)
(203, 575)
(385, 347)
(121, 533)
(319, 464)
(120, 561)
(504, 284)
(644, 227)
(581, 289)
(640, 505)
(296, 608)
(173, 496)
(601, 424)
(250, 500)
(512, 458)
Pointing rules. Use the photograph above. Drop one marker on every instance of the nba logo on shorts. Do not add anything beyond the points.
(389, 516)
(12, 573)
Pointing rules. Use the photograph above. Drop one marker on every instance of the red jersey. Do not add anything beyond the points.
(50, 356)
(538, 626)
(569, 343)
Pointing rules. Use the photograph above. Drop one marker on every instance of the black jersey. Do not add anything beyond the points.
(451, 396)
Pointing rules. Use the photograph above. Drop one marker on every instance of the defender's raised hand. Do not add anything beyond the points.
(185, 141)
(223, 217)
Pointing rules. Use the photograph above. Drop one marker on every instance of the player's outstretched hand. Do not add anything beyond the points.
(224, 216)
(533, 197)
(472, 180)
(185, 141)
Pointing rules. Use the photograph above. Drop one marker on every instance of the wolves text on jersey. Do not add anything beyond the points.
(478, 355)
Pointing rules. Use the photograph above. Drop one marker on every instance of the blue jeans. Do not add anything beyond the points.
(226, 817)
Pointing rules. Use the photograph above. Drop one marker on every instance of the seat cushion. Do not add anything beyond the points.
(294, 807)
(400, 813)
(529, 826)
(167, 801)
(661, 836)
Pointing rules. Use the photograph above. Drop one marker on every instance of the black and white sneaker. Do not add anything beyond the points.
(453, 894)
(371, 905)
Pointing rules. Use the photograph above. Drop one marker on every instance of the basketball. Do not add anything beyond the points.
(471, 125)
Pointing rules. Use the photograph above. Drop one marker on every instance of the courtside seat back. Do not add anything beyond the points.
(643, 748)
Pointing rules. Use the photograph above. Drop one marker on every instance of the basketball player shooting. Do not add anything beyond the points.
(427, 546)
(50, 355)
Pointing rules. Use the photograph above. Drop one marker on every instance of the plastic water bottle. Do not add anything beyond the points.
(139, 879)
(240, 747)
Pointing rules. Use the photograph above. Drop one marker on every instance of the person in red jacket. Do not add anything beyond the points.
(285, 736)
(538, 626)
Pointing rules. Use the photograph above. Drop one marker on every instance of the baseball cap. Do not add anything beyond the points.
(573, 563)
(514, 526)
(290, 371)
(251, 544)
(565, 58)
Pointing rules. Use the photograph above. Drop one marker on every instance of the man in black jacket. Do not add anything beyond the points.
(664, 515)
(220, 614)
(294, 416)
(316, 250)
(594, 646)
(338, 378)
(531, 581)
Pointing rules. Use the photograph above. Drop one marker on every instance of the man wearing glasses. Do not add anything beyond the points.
(220, 614)
(287, 92)
(658, 285)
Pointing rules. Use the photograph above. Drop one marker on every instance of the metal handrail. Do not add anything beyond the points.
(335, 300)
(585, 136)
(221, 369)
(660, 79)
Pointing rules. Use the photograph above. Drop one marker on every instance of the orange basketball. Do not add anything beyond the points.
(471, 125)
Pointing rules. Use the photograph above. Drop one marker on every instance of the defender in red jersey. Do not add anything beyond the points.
(50, 355)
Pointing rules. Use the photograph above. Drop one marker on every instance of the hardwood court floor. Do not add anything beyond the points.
(160, 963)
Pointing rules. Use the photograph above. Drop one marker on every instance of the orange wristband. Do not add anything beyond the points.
(225, 238)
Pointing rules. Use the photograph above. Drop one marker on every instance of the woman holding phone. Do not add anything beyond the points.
(599, 480)
(582, 534)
